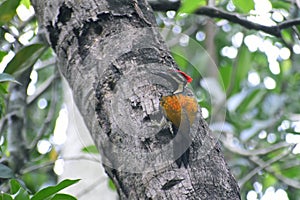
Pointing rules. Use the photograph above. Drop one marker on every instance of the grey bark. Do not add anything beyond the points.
(109, 52)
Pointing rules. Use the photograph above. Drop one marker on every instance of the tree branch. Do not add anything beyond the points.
(50, 114)
(284, 179)
(41, 89)
(256, 152)
(232, 17)
(262, 166)
(37, 167)
(93, 158)
(91, 186)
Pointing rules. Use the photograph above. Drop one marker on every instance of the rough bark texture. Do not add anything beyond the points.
(109, 52)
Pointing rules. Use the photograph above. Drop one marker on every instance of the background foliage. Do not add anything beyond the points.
(247, 83)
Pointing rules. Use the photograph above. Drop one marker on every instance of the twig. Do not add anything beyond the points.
(4, 119)
(289, 23)
(52, 162)
(50, 114)
(286, 180)
(36, 167)
(41, 89)
(91, 187)
(290, 164)
(257, 152)
(82, 157)
(164, 6)
(232, 17)
(235, 18)
(262, 166)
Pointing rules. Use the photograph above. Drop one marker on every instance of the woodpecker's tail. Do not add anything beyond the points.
(184, 159)
(181, 151)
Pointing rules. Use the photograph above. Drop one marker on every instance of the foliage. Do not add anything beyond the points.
(19, 192)
(27, 65)
(189, 6)
(4, 80)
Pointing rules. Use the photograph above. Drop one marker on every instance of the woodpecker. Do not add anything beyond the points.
(180, 108)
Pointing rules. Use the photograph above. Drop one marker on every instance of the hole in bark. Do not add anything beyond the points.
(147, 119)
(64, 13)
(164, 136)
(53, 35)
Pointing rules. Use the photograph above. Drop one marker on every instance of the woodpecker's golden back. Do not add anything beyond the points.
(174, 105)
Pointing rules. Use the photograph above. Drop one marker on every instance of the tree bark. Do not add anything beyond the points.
(110, 52)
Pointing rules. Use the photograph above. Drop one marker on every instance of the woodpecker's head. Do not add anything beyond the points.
(187, 77)
(177, 78)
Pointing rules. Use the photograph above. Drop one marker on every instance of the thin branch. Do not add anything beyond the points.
(36, 167)
(164, 6)
(52, 162)
(83, 157)
(4, 119)
(262, 166)
(47, 63)
(41, 89)
(284, 179)
(289, 23)
(50, 114)
(91, 187)
(290, 164)
(235, 18)
(232, 17)
(256, 152)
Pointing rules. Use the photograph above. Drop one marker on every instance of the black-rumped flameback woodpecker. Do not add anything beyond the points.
(180, 108)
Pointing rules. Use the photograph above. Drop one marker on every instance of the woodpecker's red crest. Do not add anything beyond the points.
(187, 77)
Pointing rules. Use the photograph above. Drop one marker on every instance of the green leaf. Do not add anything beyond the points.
(111, 185)
(279, 4)
(2, 105)
(14, 186)
(253, 98)
(225, 76)
(26, 3)
(287, 35)
(21, 195)
(63, 197)
(90, 149)
(179, 59)
(244, 6)
(242, 67)
(4, 196)
(24, 59)
(286, 67)
(189, 6)
(51, 190)
(2, 54)
(8, 10)
(291, 172)
(269, 180)
(5, 172)
(3, 88)
(6, 77)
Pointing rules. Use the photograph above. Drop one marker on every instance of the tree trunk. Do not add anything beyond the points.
(110, 52)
